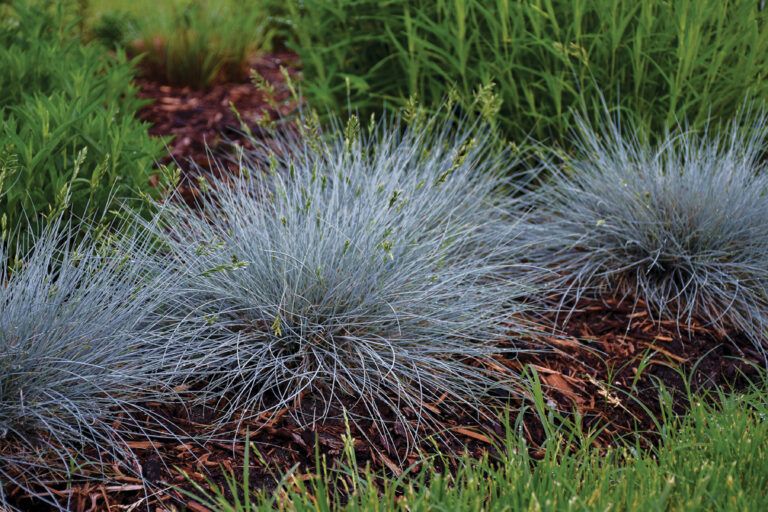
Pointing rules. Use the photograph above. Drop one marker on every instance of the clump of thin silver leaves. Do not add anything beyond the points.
(350, 272)
(682, 226)
(80, 342)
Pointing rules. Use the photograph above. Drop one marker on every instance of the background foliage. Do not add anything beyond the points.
(186, 42)
(657, 60)
(69, 138)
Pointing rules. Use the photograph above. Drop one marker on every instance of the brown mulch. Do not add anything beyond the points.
(614, 356)
(202, 123)
(607, 366)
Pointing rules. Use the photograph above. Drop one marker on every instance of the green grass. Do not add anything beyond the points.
(185, 42)
(659, 61)
(714, 458)
(69, 138)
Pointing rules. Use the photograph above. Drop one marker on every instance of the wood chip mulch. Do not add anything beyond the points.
(202, 123)
(607, 366)
(614, 356)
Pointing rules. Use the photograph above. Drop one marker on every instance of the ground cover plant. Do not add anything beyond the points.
(657, 61)
(358, 269)
(187, 42)
(714, 458)
(69, 139)
(79, 346)
(681, 225)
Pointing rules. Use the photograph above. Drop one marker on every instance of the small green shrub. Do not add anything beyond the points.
(113, 29)
(658, 60)
(69, 139)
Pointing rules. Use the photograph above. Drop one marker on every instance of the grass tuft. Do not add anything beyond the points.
(682, 225)
(190, 43)
(361, 269)
(77, 336)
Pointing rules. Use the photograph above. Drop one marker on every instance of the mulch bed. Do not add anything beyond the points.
(606, 363)
(202, 124)
(615, 355)
(602, 343)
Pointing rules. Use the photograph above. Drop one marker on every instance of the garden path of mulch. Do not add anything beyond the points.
(606, 364)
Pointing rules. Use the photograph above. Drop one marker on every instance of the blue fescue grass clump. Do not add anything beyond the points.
(682, 226)
(78, 330)
(360, 268)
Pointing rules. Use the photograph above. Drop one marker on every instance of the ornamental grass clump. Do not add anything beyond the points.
(361, 270)
(681, 226)
(78, 331)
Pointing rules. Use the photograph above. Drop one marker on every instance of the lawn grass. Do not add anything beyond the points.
(713, 458)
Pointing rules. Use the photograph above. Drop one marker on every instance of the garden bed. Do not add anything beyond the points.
(370, 277)
(607, 365)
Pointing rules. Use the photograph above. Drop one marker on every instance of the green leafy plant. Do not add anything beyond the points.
(658, 61)
(69, 139)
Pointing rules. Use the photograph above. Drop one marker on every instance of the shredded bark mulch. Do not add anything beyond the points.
(615, 357)
(607, 366)
(202, 124)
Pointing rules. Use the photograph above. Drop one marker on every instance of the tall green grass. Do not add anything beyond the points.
(657, 60)
(186, 42)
